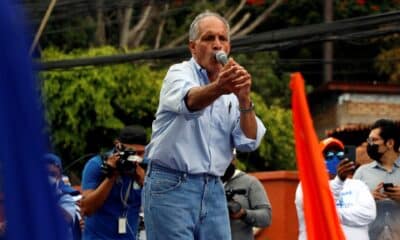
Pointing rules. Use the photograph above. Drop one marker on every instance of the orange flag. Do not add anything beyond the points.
(320, 215)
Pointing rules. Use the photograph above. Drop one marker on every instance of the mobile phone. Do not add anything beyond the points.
(350, 152)
(386, 185)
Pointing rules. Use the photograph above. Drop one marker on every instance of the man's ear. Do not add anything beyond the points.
(192, 47)
(390, 143)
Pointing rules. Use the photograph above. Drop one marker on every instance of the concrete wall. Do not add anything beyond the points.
(352, 109)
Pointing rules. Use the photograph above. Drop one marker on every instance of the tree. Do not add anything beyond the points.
(277, 148)
(269, 81)
(85, 107)
(271, 95)
(388, 64)
(129, 24)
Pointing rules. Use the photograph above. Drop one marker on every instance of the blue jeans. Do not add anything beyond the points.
(181, 206)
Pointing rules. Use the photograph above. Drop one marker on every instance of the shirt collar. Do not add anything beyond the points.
(397, 162)
(376, 164)
(202, 71)
(196, 65)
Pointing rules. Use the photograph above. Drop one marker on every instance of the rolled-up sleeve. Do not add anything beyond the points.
(245, 144)
(177, 83)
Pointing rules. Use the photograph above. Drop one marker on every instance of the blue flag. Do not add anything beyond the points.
(30, 208)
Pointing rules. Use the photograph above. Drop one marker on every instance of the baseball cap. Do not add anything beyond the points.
(133, 134)
(51, 158)
(330, 143)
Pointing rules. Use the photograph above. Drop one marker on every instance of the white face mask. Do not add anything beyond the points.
(53, 180)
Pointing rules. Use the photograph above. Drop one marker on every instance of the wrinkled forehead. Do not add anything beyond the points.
(212, 24)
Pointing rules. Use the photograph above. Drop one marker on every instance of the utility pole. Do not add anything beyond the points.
(328, 45)
(42, 25)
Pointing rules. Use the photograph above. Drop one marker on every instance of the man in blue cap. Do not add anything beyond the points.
(65, 195)
(54, 167)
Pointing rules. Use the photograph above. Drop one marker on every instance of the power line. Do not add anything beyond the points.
(273, 40)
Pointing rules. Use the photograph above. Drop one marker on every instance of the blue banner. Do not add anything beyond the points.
(29, 205)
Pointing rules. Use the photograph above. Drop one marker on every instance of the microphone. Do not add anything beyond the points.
(221, 57)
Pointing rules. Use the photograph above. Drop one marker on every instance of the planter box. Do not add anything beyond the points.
(281, 188)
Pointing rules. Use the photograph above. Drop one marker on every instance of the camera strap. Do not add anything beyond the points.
(124, 199)
(123, 219)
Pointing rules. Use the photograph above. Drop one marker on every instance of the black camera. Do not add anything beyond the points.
(127, 160)
(233, 206)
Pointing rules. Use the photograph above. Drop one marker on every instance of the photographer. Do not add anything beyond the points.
(111, 185)
(248, 203)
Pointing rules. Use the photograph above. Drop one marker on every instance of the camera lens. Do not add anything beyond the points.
(234, 207)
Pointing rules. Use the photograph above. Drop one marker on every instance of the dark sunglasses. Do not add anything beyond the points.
(331, 154)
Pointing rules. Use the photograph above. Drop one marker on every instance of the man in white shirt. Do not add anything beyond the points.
(354, 202)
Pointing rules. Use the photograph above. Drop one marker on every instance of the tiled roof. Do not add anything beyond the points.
(353, 133)
(360, 87)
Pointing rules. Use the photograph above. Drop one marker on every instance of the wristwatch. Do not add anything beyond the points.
(245, 110)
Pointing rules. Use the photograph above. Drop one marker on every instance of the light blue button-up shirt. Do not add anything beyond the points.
(200, 141)
(374, 173)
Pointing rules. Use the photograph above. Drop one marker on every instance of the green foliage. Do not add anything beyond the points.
(75, 33)
(355, 8)
(85, 107)
(277, 148)
(278, 144)
(388, 64)
(267, 80)
(296, 13)
(271, 95)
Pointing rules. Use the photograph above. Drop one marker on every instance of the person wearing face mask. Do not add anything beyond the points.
(383, 178)
(383, 148)
(248, 203)
(67, 197)
(111, 188)
(355, 205)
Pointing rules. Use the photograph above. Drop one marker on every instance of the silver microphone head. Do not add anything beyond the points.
(221, 57)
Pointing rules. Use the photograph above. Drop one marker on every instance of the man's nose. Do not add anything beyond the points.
(217, 44)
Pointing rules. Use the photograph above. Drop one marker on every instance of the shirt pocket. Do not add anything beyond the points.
(222, 117)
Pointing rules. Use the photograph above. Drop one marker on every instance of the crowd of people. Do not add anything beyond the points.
(205, 112)
(109, 207)
(366, 195)
(184, 182)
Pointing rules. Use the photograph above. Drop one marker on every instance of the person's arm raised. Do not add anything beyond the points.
(242, 89)
(93, 199)
(200, 97)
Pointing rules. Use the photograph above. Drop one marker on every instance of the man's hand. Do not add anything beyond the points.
(377, 192)
(345, 169)
(112, 160)
(234, 78)
(238, 215)
(393, 193)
